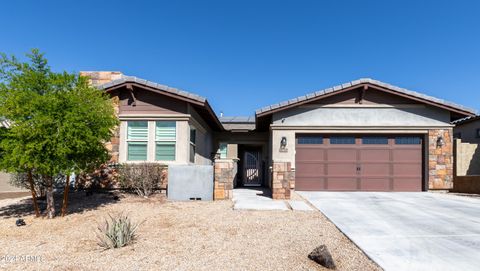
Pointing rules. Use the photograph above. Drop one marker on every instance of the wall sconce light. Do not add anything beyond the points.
(440, 142)
(283, 142)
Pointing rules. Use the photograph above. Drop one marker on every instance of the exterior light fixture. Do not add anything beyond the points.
(283, 142)
(440, 142)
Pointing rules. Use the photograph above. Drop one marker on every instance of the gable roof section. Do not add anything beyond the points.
(368, 82)
(198, 101)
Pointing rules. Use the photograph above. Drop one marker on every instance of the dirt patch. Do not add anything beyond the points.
(13, 195)
(178, 236)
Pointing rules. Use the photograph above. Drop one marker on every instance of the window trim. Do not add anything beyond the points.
(193, 144)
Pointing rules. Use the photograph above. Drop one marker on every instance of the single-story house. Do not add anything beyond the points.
(364, 135)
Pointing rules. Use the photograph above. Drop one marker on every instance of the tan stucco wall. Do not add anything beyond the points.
(5, 184)
(467, 158)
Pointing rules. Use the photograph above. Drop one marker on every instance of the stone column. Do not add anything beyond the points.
(97, 78)
(225, 172)
(283, 179)
(440, 160)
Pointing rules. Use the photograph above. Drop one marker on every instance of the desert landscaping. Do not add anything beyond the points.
(172, 236)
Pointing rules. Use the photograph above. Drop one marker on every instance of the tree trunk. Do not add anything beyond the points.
(34, 194)
(50, 200)
(65, 196)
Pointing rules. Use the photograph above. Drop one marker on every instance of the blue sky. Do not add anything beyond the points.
(243, 55)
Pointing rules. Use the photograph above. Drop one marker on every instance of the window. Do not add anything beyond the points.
(375, 140)
(342, 140)
(310, 140)
(408, 140)
(137, 140)
(223, 150)
(193, 135)
(165, 138)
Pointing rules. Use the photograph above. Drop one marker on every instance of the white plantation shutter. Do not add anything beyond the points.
(137, 137)
(165, 137)
(165, 131)
(137, 130)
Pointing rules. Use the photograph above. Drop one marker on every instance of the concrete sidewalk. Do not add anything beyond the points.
(407, 231)
(259, 199)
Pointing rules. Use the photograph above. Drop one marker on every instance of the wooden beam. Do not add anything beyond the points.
(362, 94)
(130, 89)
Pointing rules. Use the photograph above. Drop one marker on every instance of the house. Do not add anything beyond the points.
(467, 129)
(364, 135)
(467, 151)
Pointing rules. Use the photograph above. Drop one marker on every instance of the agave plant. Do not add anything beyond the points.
(116, 231)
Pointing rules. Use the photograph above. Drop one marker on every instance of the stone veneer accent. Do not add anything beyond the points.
(440, 160)
(283, 179)
(99, 78)
(225, 171)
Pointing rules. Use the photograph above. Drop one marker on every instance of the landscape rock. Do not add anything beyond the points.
(322, 256)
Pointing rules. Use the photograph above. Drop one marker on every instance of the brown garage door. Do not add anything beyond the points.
(358, 163)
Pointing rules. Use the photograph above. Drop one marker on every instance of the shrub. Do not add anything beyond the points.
(143, 178)
(39, 182)
(116, 231)
(105, 176)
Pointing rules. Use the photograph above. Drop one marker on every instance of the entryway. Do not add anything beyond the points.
(251, 166)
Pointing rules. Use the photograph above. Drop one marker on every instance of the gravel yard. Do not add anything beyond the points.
(173, 236)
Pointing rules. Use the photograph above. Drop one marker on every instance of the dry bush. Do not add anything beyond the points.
(143, 178)
(105, 176)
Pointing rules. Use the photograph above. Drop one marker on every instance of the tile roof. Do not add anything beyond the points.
(134, 79)
(238, 119)
(467, 119)
(358, 82)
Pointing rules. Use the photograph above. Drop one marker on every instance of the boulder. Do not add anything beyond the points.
(322, 256)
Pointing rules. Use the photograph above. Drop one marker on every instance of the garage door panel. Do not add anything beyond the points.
(341, 184)
(342, 169)
(407, 184)
(407, 155)
(402, 169)
(375, 155)
(310, 184)
(375, 169)
(375, 184)
(342, 155)
(310, 169)
(312, 154)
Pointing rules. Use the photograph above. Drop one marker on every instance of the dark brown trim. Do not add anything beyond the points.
(281, 108)
(204, 104)
(163, 92)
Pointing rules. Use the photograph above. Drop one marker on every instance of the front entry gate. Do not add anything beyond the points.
(252, 168)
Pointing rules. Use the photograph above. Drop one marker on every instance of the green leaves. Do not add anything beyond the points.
(59, 122)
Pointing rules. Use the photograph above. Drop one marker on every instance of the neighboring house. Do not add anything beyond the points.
(467, 152)
(364, 135)
(467, 129)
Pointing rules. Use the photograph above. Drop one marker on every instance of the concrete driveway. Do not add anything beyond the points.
(407, 231)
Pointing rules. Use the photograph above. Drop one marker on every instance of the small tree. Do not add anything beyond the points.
(58, 122)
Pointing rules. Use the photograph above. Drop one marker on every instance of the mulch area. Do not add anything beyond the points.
(173, 236)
